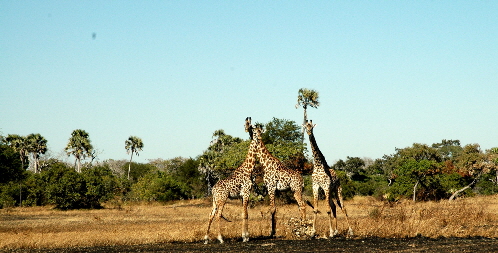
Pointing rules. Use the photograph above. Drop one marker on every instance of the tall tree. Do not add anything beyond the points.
(20, 145)
(475, 163)
(79, 145)
(281, 130)
(9, 164)
(37, 145)
(133, 145)
(412, 167)
(449, 149)
(305, 98)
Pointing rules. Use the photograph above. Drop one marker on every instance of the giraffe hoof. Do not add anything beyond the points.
(313, 234)
(245, 237)
(206, 239)
(220, 239)
(350, 232)
(333, 233)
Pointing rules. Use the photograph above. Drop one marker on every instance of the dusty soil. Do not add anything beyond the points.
(418, 244)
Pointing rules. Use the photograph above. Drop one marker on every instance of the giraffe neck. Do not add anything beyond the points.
(263, 154)
(250, 160)
(317, 154)
(250, 133)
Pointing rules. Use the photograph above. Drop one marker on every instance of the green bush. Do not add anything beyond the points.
(371, 186)
(68, 189)
(486, 186)
(348, 188)
(65, 187)
(137, 170)
(35, 194)
(452, 182)
(101, 184)
(9, 195)
(158, 186)
(402, 187)
(10, 165)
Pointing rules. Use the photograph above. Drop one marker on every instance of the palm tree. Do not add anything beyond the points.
(133, 145)
(305, 98)
(37, 145)
(19, 144)
(79, 145)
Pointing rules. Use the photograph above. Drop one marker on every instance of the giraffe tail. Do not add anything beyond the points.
(311, 205)
(225, 218)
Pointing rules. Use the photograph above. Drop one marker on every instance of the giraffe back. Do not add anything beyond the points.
(240, 182)
(276, 174)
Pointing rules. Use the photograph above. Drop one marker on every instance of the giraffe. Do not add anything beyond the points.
(239, 183)
(326, 178)
(277, 176)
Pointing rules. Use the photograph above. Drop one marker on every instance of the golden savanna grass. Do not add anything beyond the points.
(185, 221)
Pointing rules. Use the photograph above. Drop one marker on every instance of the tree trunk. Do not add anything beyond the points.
(78, 160)
(20, 195)
(37, 163)
(22, 159)
(415, 191)
(129, 165)
(461, 190)
(496, 182)
(304, 121)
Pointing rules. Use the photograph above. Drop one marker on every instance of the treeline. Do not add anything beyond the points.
(59, 184)
(443, 170)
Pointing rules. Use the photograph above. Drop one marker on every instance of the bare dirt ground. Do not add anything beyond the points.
(418, 244)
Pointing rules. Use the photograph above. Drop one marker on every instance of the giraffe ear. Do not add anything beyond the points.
(311, 122)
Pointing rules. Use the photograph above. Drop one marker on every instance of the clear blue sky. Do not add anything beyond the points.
(389, 73)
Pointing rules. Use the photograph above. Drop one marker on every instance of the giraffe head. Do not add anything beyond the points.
(249, 128)
(258, 130)
(309, 127)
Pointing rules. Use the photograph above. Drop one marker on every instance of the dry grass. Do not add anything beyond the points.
(44, 227)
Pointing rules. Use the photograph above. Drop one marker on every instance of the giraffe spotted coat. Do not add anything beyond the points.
(326, 178)
(277, 176)
(237, 184)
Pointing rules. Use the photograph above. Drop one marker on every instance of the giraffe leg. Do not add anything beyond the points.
(273, 211)
(211, 216)
(218, 217)
(316, 189)
(334, 231)
(245, 215)
(298, 195)
(343, 208)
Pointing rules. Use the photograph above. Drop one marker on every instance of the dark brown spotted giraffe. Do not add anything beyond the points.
(239, 183)
(277, 176)
(326, 178)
